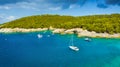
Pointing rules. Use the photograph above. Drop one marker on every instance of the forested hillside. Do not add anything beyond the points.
(98, 23)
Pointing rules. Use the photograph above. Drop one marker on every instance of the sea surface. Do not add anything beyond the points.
(27, 50)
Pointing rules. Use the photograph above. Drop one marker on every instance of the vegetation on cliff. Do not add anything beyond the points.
(98, 23)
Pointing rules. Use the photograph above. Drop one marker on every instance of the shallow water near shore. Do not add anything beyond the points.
(27, 50)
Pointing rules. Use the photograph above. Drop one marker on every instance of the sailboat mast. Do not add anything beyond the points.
(72, 40)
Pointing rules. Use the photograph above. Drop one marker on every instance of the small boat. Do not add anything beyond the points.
(87, 39)
(48, 35)
(74, 48)
(39, 36)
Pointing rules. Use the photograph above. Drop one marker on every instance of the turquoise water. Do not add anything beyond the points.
(27, 50)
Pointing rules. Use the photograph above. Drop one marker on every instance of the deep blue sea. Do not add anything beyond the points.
(27, 50)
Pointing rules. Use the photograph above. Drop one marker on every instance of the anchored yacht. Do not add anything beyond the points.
(73, 47)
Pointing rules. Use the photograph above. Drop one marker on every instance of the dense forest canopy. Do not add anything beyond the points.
(98, 23)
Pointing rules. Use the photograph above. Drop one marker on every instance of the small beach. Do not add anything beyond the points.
(80, 32)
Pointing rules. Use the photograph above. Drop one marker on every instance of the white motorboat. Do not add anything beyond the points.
(87, 39)
(39, 36)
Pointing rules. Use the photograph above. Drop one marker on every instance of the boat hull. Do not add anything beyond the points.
(74, 48)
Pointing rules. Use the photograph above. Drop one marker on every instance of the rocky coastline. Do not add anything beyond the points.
(80, 32)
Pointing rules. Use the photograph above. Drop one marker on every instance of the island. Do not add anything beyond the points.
(91, 26)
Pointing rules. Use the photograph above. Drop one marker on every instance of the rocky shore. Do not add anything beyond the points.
(80, 32)
(11, 30)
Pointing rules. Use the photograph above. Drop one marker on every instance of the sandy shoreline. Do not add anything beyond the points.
(10, 30)
(80, 32)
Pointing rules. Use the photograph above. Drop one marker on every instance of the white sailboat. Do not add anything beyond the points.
(72, 47)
